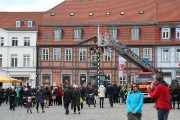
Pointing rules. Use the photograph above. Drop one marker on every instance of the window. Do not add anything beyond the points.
(14, 60)
(14, 41)
(56, 54)
(68, 54)
(82, 55)
(123, 80)
(135, 33)
(0, 60)
(135, 50)
(18, 23)
(1, 41)
(30, 23)
(177, 33)
(26, 61)
(77, 33)
(94, 60)
(26, 41)
(165, 33)
(107, 56)
(177, 54)
(46, 79)
(57, 33)
(45, 53)
(113, 32)
(165, 55)
(147, 53)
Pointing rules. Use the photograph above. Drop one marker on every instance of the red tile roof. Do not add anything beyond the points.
(99, 8)
(168, 10)
(8, 20)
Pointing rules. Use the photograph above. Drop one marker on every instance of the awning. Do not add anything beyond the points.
(19, 75)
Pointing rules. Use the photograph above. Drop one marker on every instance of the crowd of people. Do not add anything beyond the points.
(46, 96)
(74, 95)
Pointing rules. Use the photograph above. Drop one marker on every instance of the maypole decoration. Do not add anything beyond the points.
(98, 50)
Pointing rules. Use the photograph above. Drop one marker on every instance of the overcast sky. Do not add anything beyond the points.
(28, 5)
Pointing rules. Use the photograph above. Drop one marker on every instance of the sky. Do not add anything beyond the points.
(28, 5)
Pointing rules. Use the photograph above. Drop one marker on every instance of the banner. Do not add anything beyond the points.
(121, 65)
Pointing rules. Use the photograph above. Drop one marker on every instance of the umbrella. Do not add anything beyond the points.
(5, 79)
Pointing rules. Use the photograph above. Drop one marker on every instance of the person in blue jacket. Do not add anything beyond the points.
(134, 103)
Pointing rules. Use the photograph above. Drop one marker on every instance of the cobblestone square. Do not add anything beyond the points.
(118, 112)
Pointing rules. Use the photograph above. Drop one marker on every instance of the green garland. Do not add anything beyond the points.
(95, 49)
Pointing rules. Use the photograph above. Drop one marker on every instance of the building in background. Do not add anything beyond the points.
(151, 29)
(68, 30)
(18, 37)
(168, 41)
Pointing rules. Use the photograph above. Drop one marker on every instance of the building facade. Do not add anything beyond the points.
(67, 31)
(168, 42)
(18, 38)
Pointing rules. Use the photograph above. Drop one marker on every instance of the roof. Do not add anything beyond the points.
(8, 20)
(99, 8)
(168, 10)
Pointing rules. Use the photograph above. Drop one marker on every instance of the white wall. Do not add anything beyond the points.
(168, 67)
(172, 62)
(7, 50)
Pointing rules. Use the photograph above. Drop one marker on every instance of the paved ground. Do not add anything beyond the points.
(118, 112)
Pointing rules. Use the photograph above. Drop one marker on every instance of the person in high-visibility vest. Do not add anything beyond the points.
(125, 91)
(33, 96)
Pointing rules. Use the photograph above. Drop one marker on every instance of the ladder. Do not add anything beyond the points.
(108, 41)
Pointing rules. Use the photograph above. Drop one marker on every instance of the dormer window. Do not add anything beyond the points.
(77, 33)
(90, 14)
(165, 32)
(122, 13)
(30, 23)
(108, 13)
(135, 33)
(72, 14)
(113, 32)
(177, 32)
(18, 23)
(57, 33)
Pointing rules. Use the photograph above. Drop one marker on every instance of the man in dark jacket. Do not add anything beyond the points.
(67, 98)
(161, 94)
(110, 91)
(12, 95)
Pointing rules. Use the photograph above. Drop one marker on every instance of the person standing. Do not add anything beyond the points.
(161, 95)
(67, 98)
(47, 95)
(55, 93)
(76, 99)
(12, 96)
(40, 99)
(101, 91)
(60, 95)
(110, 91)
(134, 103)
(1, 95)
(121, 95)
(7, 95)
(17, 97)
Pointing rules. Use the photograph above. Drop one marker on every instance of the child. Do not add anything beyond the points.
(29, 104)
